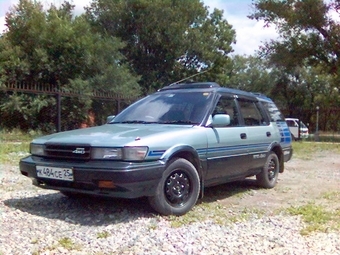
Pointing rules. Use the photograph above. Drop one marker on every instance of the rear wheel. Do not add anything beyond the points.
(270, 172)
(178, 190)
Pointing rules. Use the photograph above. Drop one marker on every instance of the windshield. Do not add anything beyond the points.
(168, 108)
(302, 125)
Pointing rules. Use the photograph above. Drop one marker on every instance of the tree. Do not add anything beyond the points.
(306, 56)
(250, 73)
(308, 29)
(54, 47)
(166, 40)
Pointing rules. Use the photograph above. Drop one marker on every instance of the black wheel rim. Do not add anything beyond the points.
(177, 188)
(271, 170)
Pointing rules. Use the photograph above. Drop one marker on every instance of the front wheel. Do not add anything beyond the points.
(270, 172)
(178, 190)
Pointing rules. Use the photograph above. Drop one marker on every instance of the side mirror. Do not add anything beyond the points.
(221, 120)
(110, 118)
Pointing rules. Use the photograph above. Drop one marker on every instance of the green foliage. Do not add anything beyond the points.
(166, 40)
(14, 145)
(17, 136)
(215, 212)
(307, 149)
(54, 47)
(309, 33)
(316, 217)
(250, 74)
(68, 244)
(26, 111)
(12, 152)
(103, 234)
(306, 56)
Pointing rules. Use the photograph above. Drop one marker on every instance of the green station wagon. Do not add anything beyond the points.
(168, 147)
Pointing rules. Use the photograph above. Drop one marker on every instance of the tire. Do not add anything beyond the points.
(268, 177)
(178, 190)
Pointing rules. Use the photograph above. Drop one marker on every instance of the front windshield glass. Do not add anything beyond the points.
(167, 108)
(302, 125)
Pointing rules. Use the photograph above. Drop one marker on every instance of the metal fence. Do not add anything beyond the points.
(320, 119)
(105, 102)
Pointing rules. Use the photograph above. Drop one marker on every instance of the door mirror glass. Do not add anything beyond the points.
(220, 120)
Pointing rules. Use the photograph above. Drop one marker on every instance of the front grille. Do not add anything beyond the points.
(74, 151)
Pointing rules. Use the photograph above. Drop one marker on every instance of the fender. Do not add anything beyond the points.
(191, 154)
(276, 147)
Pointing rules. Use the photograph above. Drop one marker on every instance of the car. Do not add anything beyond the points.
(296, 132)
(168, 147)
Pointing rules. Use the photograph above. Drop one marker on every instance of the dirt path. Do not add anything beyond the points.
(304, 180)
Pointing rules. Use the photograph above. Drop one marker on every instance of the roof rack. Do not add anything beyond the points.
(193, 85)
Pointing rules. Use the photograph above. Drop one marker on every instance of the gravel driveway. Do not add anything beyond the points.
(35, 221)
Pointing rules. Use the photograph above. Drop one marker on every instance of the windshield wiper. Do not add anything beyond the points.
(135, 122)
(188, 122)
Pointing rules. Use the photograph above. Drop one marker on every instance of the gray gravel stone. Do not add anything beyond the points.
(34, 221)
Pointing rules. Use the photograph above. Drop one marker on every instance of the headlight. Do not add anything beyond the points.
(135, 153)
(106, 153)
(126, 153)
(37, 149)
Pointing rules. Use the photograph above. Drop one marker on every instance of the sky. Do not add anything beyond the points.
(250, 34)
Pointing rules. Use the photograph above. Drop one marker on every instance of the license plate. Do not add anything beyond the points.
(57, 173)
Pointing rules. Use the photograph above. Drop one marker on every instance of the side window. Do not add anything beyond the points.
(251, 113)
(290, 123)
(227, 105)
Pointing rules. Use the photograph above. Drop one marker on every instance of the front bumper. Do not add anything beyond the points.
(130, 180)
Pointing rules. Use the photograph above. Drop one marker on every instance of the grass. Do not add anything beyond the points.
(64, 242)
(14, 145)
(103, 234)
(215, 212)
(18, 136)
(316, 218)
(11, 153)
(305, 150)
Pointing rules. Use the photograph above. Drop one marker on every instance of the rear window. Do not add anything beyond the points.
(273, 111)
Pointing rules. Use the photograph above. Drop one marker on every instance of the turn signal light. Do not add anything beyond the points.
(106, 184)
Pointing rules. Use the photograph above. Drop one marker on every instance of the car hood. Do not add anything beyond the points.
(115, 134)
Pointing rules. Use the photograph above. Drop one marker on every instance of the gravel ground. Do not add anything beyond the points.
(35, 221)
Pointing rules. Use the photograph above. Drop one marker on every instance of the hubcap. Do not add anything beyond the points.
(271, 170)
(177, 188)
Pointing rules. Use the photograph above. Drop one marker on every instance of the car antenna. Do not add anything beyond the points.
(187, 78)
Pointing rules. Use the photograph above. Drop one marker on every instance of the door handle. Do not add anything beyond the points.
(268, 134)
(243, 136)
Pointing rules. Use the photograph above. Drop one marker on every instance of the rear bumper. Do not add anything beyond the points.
(287, 153)
(129, 180)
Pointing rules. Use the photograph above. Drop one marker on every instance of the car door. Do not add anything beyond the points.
(293, 127)
(259, 132)
(227, 145)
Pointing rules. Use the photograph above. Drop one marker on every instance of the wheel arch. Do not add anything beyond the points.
(184, 151)
(277, 149)
(189, 153)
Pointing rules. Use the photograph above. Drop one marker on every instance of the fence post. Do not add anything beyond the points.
(58, 109)
(317, 124)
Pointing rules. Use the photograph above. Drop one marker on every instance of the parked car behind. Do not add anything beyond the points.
(294, 124)
(168, 146)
